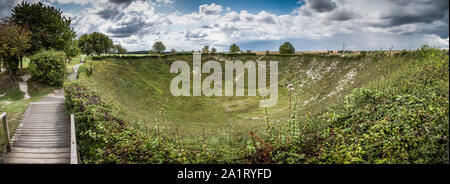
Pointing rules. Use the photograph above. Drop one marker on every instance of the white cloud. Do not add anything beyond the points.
(210, 9)
(368, 24)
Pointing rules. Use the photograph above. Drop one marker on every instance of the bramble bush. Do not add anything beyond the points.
(49, 66)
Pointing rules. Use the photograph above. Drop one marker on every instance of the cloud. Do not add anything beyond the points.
(266, 17)
(314, 24)
(108, 13)
(165, 1)
(81, 2)
(341, 15)
(5, 7)
(418, 12)
(321, 5)
(121, 1)
(193, 35)
(210, 9)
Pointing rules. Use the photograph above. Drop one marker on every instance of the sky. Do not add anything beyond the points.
(259, 25)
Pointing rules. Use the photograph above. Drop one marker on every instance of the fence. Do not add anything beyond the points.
(4, 135)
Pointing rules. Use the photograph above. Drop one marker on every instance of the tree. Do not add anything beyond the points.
(120, 50)
(101, 43)
(205, 49)
(72, 50)
(85, 44)
(14, 41)
(173, 51)
(159, 47)
(234, 48)
(213, 50)
(287, 48)
(50, 30)
(95, 42)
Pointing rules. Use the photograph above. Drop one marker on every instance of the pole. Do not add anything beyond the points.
(6, 132)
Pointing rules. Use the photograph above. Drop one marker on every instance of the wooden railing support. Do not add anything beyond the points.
(6, 131)
(73, 141)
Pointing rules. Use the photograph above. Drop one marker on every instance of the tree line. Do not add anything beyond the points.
(159, 48)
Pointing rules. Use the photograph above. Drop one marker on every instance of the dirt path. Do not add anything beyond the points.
(74, 74)
(23, 86)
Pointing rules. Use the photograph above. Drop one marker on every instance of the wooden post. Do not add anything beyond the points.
(73, 141)
(6, 132)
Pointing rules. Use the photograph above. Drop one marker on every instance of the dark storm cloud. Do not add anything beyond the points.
(127, 29)
(108, 13)
(127, 2)
(341, 15)
(5, 7)
(416, 12)
(321, 5)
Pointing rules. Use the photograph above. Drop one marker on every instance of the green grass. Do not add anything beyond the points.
(140, 88)
(347, 110)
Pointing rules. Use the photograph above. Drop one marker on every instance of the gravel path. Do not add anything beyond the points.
(23, 86)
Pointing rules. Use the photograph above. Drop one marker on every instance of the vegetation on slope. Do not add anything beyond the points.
(392, 119)
(401, 119)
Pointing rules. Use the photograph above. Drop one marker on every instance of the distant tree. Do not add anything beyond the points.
(249, 51)
(85, 44)
(14, 41)
(213, 50)
(287, 48)
(159, 47)
(234, 48)
(72, 50)
(95, 42)
(50, 29)
(120, 50)
(101, 42)
(267, 52)
(173, 51)
(205, 49)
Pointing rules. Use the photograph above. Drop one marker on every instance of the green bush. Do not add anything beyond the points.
(49, 66)
(401, 119)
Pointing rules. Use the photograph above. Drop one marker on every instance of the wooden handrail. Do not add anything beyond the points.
(73, 141)
(6, 131)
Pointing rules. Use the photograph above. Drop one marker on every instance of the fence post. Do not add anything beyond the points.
(73, 141)
(6, 131)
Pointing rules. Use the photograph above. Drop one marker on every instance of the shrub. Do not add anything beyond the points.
(287, 48)
(49, 66)
(401, 119)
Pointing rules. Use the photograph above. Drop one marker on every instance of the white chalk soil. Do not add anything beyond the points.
(23, 86)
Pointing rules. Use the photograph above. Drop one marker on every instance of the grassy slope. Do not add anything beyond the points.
(140, 87)
(401, 118)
